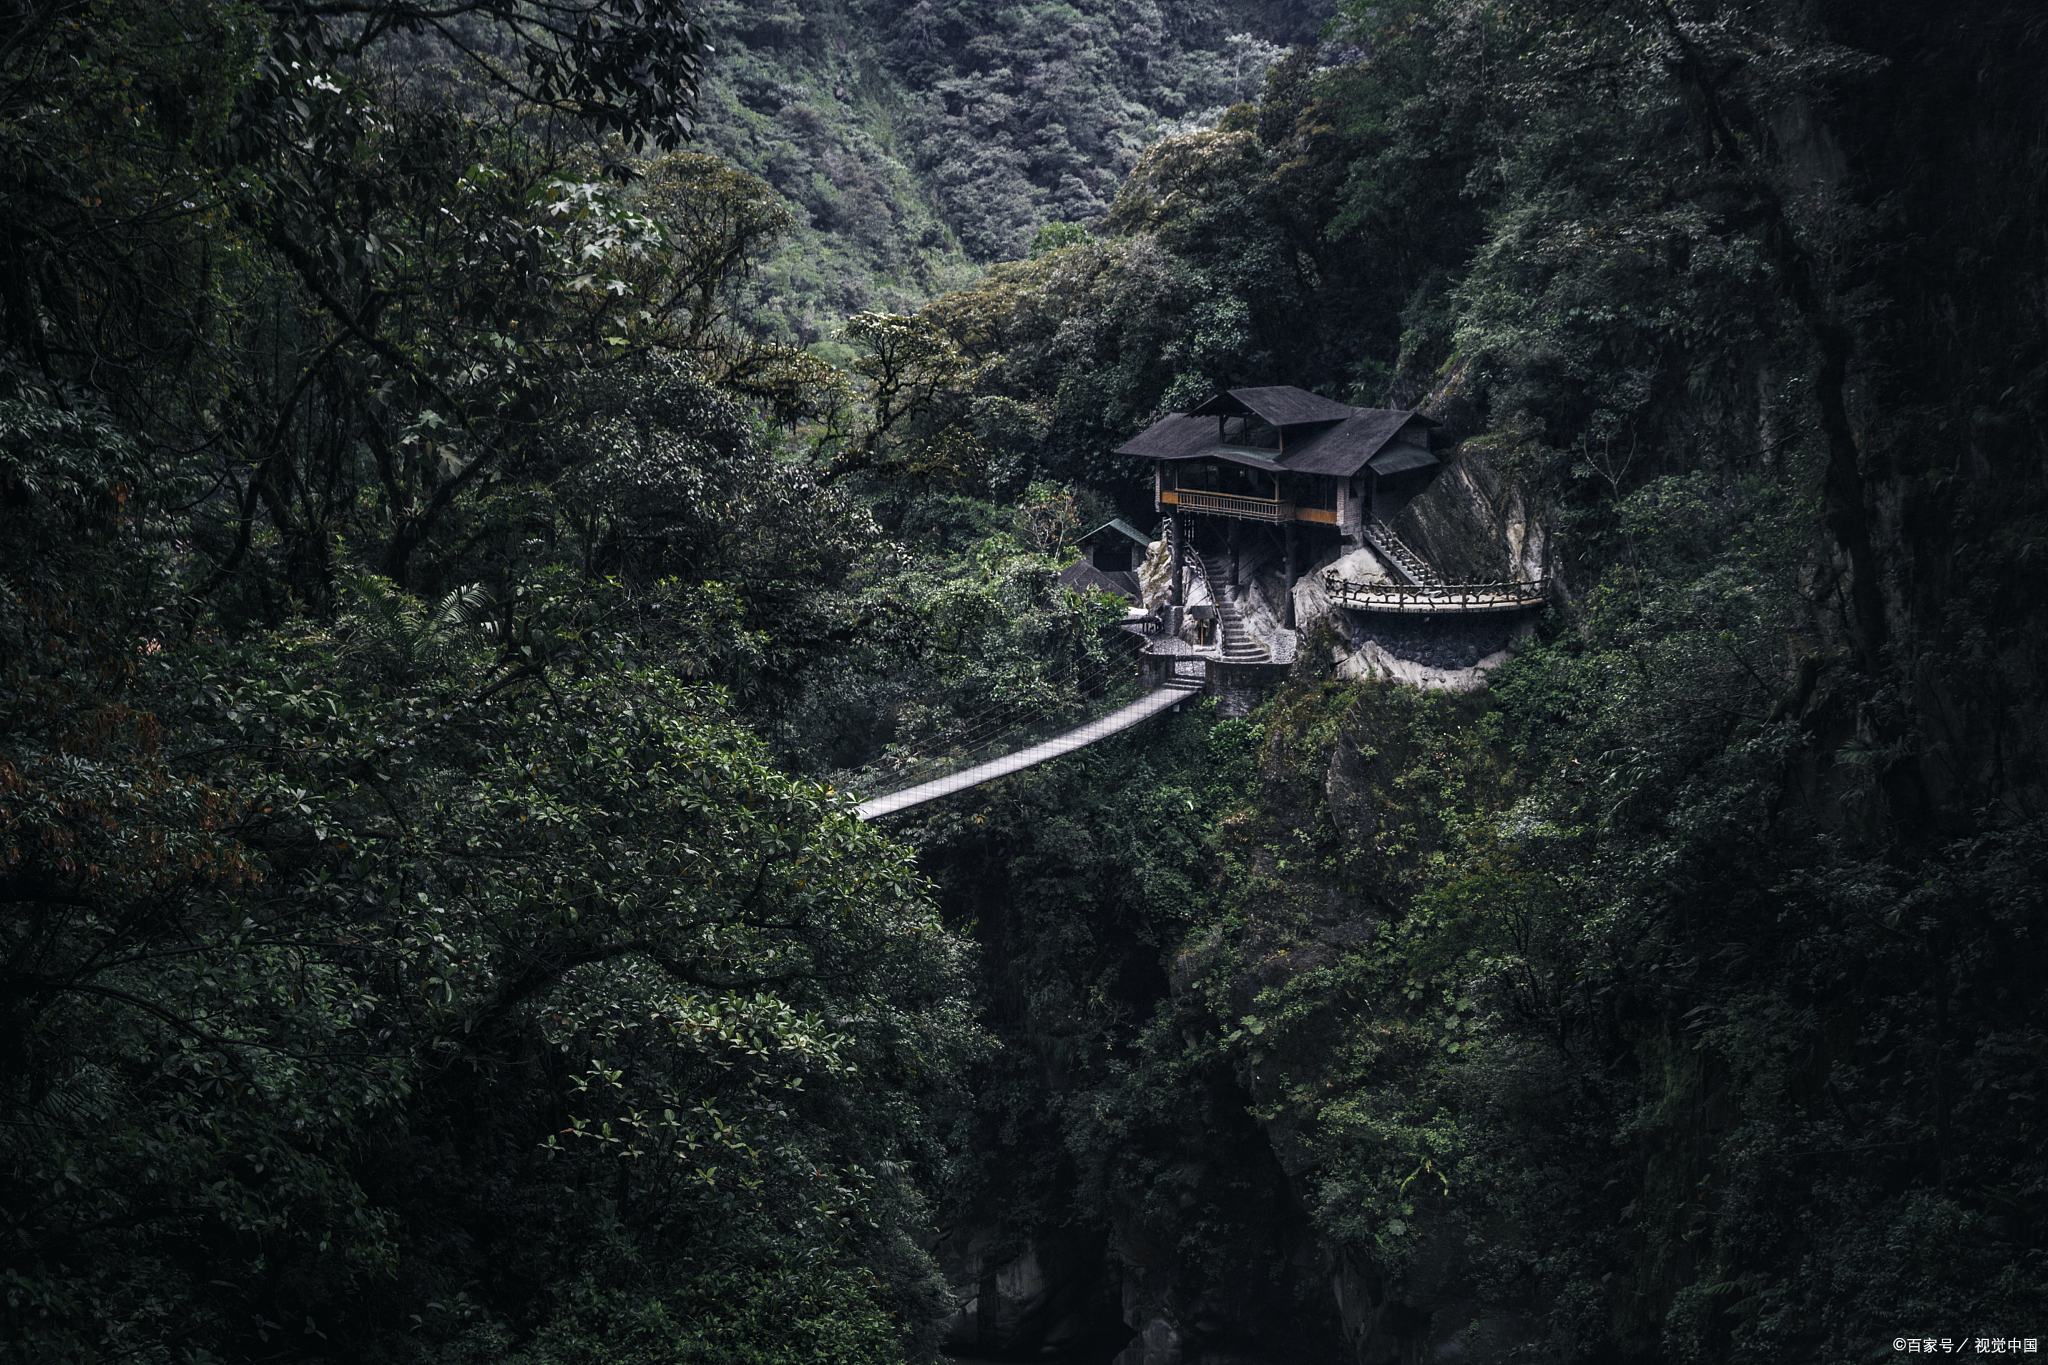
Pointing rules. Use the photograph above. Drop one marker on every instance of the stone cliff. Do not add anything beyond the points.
(1133, 1293)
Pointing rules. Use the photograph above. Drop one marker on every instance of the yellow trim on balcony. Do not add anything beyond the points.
(1232, 505)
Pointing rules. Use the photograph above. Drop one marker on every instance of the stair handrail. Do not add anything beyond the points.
(1400, 558)
(1228, 614)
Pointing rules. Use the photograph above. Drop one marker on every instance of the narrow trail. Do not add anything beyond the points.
(1145, 707)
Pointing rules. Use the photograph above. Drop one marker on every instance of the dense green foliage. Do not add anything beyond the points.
(913, 139)
(1679, 999)
(459, 548)
(412, 951)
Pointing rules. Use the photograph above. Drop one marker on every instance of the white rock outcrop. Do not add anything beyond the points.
(1258, 606)
(1312, 598)
(1371, 660)
(1153, 575)
(1469, 649)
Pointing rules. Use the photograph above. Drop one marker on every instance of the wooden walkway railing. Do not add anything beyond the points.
(1230, 504)
(1250, 509)
(1449, 597)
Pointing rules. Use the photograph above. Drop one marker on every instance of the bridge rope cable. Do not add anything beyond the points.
(994, 718)
(913, 771)
(1126, 715)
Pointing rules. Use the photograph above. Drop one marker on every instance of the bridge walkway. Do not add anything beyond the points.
(1144, 708)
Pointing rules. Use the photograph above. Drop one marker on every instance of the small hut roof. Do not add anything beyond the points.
(1081, 576)
(1119, 526)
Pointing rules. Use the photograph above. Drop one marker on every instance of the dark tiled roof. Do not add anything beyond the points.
(1081, 576)
(1176, 436)
(1341, 448)
(1345, 447)
(1281, 404)
(1402, 458)
(1180, 437)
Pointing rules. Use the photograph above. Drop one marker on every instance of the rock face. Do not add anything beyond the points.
(1155, 576)
(1435, 653)
(1155, 580)
(1269, 1305)
(1472, 526)
(1434, 1311)
(1043, 1298)
(1121, 1300)
(1130, 1293)
(1261, 599)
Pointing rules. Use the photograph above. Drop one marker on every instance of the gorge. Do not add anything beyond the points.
(490, 492)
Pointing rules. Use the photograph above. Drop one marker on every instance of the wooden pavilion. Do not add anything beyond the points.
(1284, 458)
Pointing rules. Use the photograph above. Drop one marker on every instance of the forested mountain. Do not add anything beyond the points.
(479, 483)
(917, 141)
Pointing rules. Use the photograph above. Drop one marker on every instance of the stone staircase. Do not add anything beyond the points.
(1239, 646)
(1404, 561)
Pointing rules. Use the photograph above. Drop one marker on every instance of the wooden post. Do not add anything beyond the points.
(1233, 554)
(1180, 559)
(1287, 606)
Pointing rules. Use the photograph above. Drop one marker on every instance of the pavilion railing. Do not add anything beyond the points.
(1229, 504)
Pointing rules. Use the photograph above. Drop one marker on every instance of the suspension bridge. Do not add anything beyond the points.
(1178, 689)
(1237, 650)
